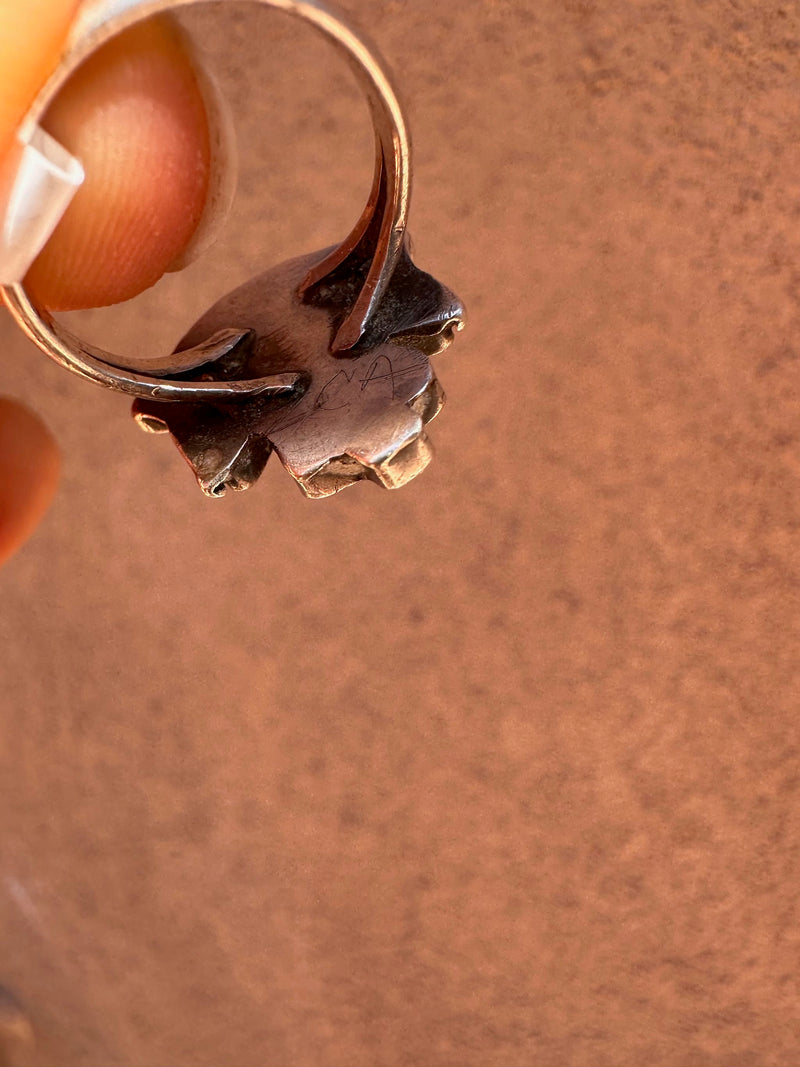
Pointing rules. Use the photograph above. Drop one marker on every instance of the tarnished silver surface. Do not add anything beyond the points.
(324, 358)
(354, 418)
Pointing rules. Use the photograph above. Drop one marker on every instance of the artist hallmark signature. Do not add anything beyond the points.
(333, 396)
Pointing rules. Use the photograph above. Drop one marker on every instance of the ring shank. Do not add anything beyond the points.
(100, 20)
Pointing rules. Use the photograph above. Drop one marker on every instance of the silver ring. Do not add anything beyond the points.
(384, 219)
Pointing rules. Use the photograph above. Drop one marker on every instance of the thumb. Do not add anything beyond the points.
(31, 36)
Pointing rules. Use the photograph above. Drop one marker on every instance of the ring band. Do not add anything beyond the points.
(384, 218)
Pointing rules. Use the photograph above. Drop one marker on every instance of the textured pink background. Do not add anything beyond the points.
(501, 769)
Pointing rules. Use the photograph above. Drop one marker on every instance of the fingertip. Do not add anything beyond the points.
(134, 115)
(30, 463)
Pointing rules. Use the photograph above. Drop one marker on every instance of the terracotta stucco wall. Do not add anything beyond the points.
(501, 769)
